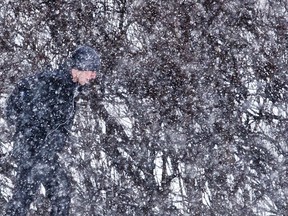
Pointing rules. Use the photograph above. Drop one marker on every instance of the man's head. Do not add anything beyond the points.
(85, 64)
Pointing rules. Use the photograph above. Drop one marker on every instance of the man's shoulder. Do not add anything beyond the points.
(58, 75)
(53, 78)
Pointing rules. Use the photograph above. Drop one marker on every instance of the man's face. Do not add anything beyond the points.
(83, 77)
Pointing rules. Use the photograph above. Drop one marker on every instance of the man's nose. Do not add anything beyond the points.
(93, 75)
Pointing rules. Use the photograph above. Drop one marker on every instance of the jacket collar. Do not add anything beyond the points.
(64, 73)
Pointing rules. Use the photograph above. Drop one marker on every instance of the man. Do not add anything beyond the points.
(42, 108)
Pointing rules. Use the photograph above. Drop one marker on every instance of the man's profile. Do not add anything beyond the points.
(42, 108)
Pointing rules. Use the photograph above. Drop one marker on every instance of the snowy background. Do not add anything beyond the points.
(188, 117)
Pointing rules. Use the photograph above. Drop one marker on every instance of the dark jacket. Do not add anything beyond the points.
(43, 105)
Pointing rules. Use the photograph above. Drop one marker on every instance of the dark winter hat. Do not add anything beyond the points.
(85, 58)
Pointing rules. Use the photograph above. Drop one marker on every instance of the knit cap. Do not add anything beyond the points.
(85, 58)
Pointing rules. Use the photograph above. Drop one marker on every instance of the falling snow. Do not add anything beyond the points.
(187, 115)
